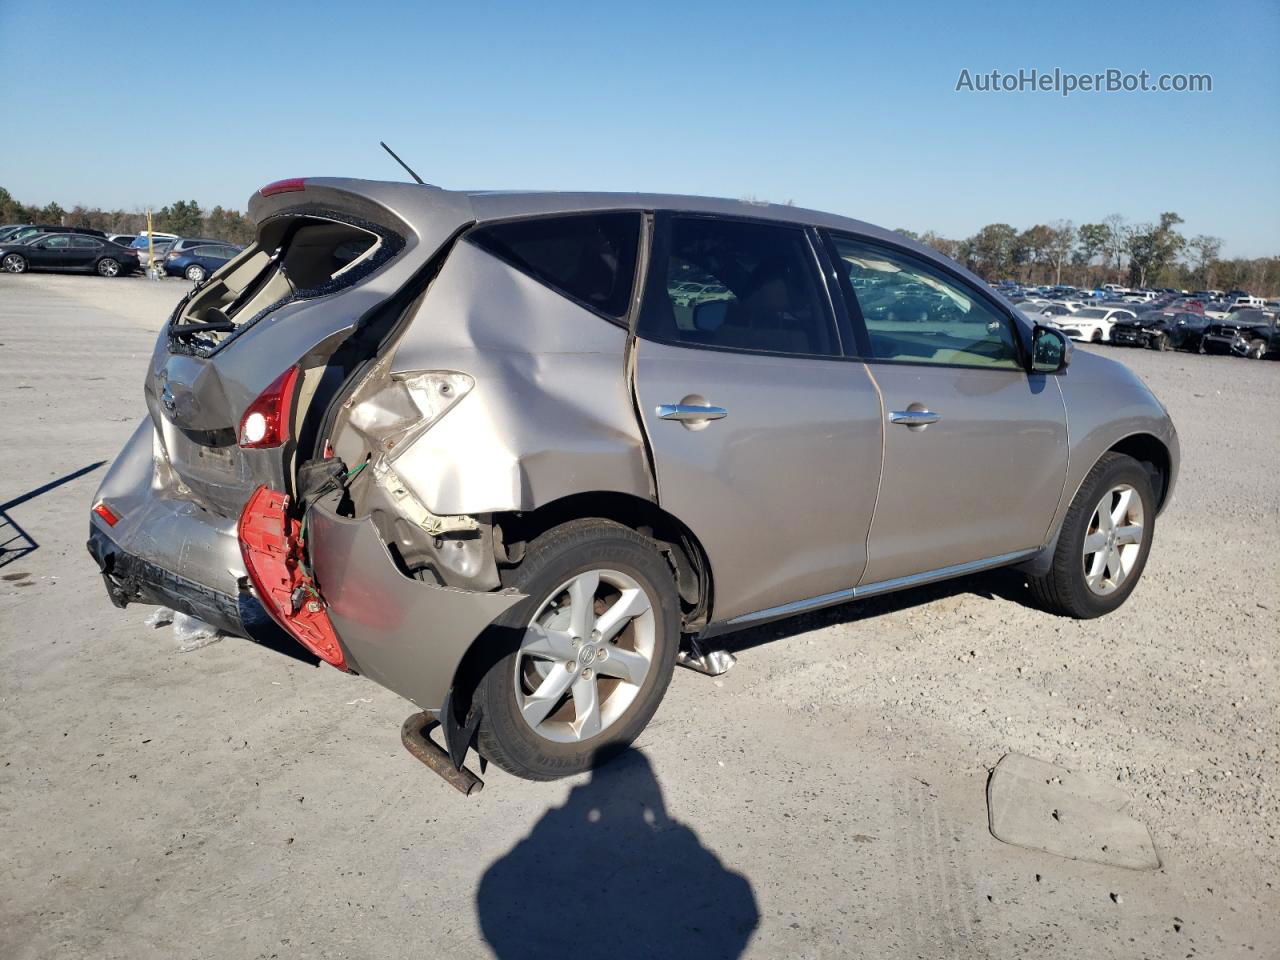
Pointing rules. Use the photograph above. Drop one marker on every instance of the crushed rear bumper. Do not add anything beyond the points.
(407, 635)
(133, 579)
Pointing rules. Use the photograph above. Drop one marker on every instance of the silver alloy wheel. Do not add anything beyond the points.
(13, 263)
(108, 267)
(585, 655)
(1113, 540)
(195, 273)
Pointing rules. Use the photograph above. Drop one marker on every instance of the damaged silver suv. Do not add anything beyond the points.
(504, 453)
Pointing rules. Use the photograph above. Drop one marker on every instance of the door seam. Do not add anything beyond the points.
(875, 507)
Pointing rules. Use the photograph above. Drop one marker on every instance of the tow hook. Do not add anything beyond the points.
(415, 735)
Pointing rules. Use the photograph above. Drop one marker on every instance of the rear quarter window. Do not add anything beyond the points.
(590, 258)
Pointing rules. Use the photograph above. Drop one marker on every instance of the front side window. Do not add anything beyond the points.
(590, 258)
(58, 242)
(916, 313)
(737, 285)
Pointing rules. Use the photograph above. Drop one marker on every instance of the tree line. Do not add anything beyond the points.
(184, 218)
(1152, 254)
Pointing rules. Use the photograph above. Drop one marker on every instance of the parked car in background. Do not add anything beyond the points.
(1140, 296)
(9, 229)
(1094, 323)
(37, 229)
(77, 252)
(124, 239)
(1245, 333)
(1161, 330)
(515, 525)
(1247, 300)
(197, 262)
(153, 244)
(1042, 312)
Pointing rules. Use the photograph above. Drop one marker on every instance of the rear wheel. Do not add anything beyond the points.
(1104, 542)
(590, 652)
(107, 267)
(195, 273)
(14, 263)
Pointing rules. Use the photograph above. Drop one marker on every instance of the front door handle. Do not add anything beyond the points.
(914, 418)
(691, 412)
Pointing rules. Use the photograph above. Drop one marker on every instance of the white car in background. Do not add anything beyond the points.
(1140, 296)
(1093, 323)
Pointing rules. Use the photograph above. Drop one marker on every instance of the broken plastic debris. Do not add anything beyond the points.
(193, 633)
(1042, 807)
(161, 616)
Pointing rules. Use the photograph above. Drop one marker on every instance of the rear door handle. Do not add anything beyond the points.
(691, 412)
(914, 418)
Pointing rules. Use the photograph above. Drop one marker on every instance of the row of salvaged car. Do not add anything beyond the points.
(26, 246)
(1168, 322)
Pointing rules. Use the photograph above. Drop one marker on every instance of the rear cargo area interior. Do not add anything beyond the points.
(292, 257)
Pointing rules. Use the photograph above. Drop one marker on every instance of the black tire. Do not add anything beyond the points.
(1161, 343)
(1097, 337)
(1063, 590)
(195, 273)
(1257, 349)
(109, 267)
(14, 263)
(551, 560)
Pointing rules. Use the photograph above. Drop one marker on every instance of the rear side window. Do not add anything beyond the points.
(590, 258)
(737, 285)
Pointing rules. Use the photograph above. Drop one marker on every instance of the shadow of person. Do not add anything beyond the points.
(610, 874)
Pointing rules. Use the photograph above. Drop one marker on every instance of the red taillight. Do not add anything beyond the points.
(266, 422)
(272, 549)
(292, 185)
(105, 513)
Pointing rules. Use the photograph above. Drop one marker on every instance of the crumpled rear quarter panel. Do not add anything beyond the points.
(550, 414)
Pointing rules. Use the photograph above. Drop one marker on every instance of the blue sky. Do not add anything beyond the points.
(845, 107)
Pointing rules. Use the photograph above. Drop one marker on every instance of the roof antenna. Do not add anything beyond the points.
(403, 164)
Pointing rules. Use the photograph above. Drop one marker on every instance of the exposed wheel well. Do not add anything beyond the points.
(1153, 455)
(684, 552)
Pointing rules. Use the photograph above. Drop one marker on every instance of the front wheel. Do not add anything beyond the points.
(589, 654)
(1257, 349)
(195, 273)
(14, 263)
(1161, 343)
(1097, 337)
(1105, 538)
(107, 267)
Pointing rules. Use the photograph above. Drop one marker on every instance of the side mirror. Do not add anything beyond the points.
(1050, 350)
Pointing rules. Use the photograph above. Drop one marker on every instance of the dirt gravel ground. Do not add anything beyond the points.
(824, 799)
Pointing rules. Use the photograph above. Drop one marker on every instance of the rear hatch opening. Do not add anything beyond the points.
(293, 258)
